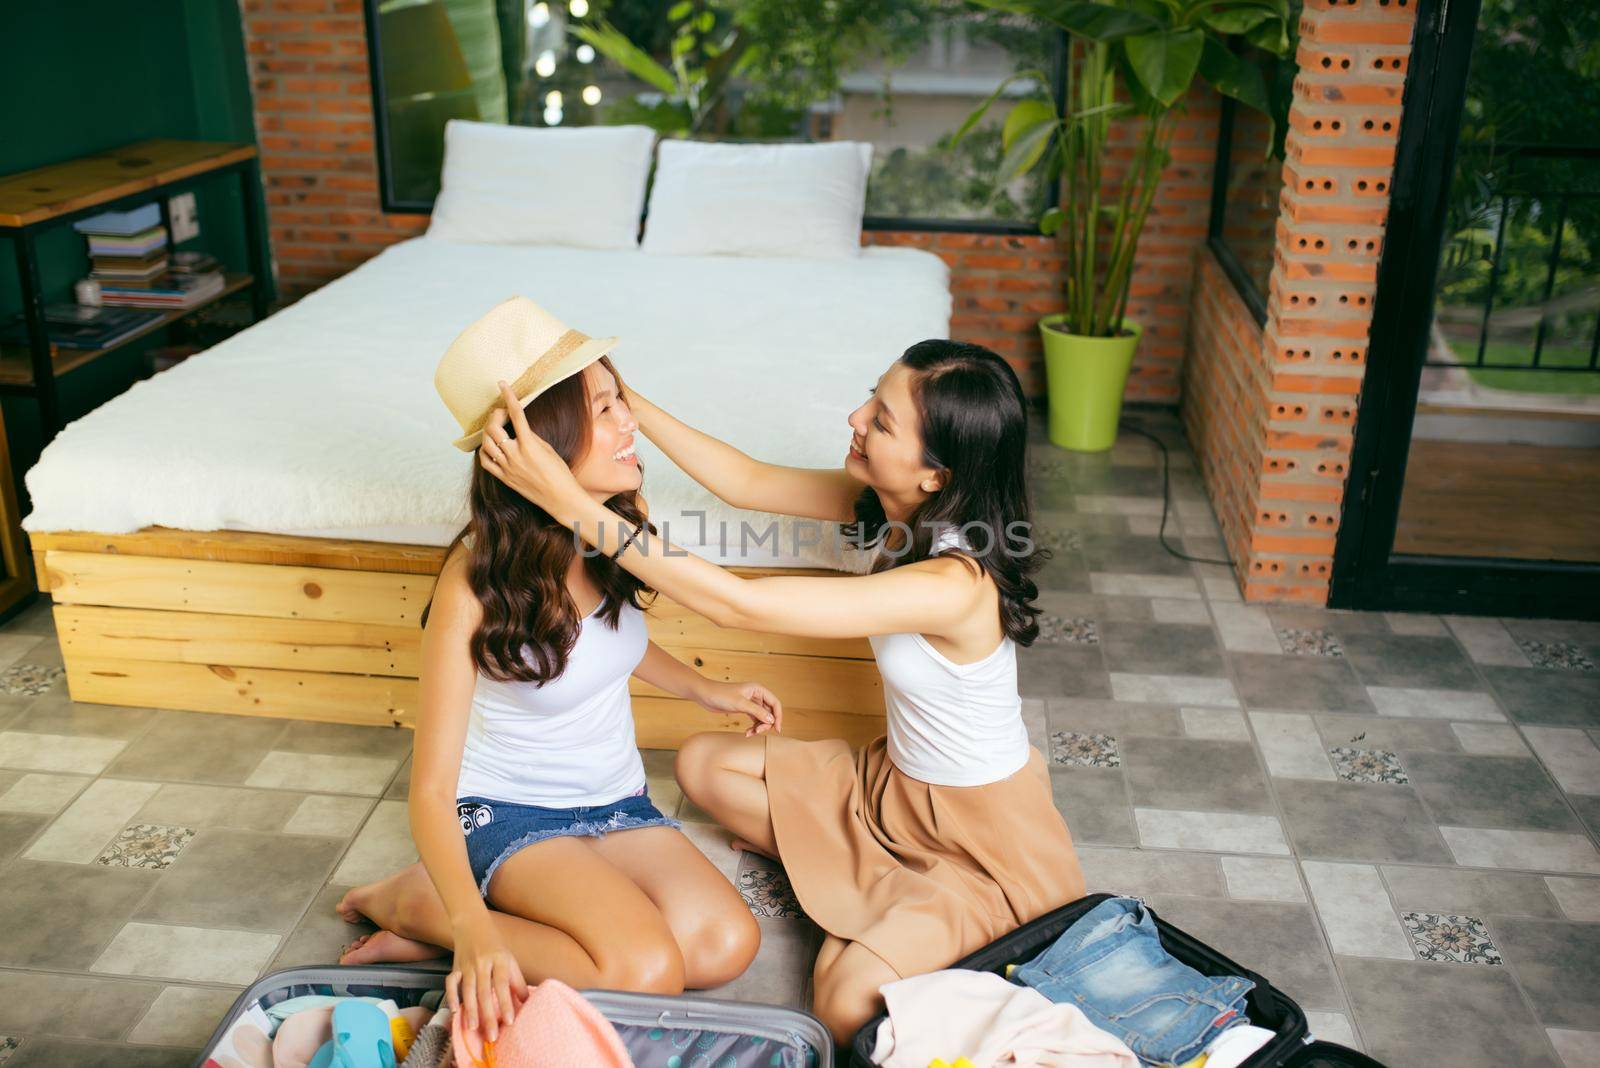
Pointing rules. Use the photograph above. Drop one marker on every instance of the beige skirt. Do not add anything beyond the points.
(921, 875)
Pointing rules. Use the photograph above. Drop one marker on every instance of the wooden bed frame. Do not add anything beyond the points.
(328, 630)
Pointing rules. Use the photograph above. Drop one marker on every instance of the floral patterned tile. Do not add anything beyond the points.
(765, 887)
(1058, 541)
(1563, 655)
(1450, 939)
(1084, 750)
(1368, 765)
(145, 845)
(29, 680)
(8, 1046)
(1077, 631)
(1299, 642)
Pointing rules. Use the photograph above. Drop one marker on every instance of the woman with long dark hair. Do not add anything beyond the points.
(941, 836)
(542, 855)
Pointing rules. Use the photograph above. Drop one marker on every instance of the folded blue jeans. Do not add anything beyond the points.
(1111, 965)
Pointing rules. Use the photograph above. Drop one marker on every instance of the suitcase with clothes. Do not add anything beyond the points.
(658, 1031)
(1292, 1045)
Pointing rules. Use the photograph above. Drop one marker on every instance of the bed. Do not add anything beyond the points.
(257, 529)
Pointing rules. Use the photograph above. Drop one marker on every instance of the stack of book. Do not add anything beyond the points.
(126, 246)
(134, 269)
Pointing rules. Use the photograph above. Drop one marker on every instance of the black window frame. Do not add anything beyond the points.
(1254, 299)
(390, 205)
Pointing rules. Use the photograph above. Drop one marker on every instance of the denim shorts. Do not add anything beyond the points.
(1111, 965)
(497, 829)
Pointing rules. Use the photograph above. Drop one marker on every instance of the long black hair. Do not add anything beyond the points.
(975, 428)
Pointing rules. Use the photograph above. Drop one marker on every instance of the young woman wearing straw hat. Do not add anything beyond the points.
(528, 800)
(941, 836)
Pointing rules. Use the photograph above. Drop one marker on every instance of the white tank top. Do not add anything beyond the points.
(951, 724)
(565, 743)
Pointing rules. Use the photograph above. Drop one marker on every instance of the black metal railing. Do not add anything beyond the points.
(1518, 197)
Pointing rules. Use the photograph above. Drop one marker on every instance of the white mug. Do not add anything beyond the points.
(88, 292)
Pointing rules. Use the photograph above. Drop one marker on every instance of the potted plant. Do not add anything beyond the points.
(1128, 61)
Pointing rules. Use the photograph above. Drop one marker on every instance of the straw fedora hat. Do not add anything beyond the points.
(516, 342)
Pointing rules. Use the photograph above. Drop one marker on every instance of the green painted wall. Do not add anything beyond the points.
(87, 75)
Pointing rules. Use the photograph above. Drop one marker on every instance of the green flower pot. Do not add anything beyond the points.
(1085, 377)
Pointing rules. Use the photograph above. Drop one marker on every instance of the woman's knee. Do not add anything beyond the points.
(719, 945)
(696, 762)
(845, 996)
(648, 965)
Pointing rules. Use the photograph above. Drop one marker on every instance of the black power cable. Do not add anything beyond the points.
(1166, 495)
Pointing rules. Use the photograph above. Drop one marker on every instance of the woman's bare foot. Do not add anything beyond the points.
(374, 901)
(741, 846)
(386, 947)
(349, 906)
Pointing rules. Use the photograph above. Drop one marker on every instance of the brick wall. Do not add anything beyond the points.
(1270, 410)
(313, 104)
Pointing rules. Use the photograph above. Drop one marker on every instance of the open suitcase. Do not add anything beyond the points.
(658, 1031)
(1267, 1006)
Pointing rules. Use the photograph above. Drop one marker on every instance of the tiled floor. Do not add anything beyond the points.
(1394, 817)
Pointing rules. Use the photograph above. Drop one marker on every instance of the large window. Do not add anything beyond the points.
(900, 74)
(1249, 175)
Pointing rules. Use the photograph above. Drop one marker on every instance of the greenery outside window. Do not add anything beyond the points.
(899, 74)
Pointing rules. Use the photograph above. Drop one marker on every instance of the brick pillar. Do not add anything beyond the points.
(1271, 411)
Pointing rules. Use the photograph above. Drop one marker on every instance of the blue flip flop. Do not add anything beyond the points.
(361, 1038)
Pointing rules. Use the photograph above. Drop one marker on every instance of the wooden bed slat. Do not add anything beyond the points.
(366, 700)
(286, 592)
(243, 641)
(853, 687)
(249, 547)
(664, 722)
(671, 623)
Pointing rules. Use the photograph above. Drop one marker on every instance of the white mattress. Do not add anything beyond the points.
(322, 419)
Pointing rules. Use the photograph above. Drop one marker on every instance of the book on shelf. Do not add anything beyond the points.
(121, 223)
(80, 326)
(194, 263)
(167, 291)
(140, 244)
(128, 270)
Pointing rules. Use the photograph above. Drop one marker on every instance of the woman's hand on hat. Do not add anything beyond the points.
(525, 462)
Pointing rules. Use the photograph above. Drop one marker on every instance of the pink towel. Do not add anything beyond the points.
(991, 1022)
(554, 1028)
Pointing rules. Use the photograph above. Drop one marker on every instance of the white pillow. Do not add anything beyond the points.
(758, 200)
(513, 185)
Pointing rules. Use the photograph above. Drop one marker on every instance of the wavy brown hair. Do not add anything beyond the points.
(518, 556)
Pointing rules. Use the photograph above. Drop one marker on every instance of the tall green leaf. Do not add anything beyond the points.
(1165, 63)
(983, 108)
(1237, 19)
(1026, 149)
(615, 46)
(1271, 36)
(1024, 116)
(1233, 76)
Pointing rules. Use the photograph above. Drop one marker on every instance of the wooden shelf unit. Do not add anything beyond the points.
(16, 363)
(118, 179)
(58, 195)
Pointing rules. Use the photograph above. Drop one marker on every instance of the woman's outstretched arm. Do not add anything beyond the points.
(931, 597)
(740, 479)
